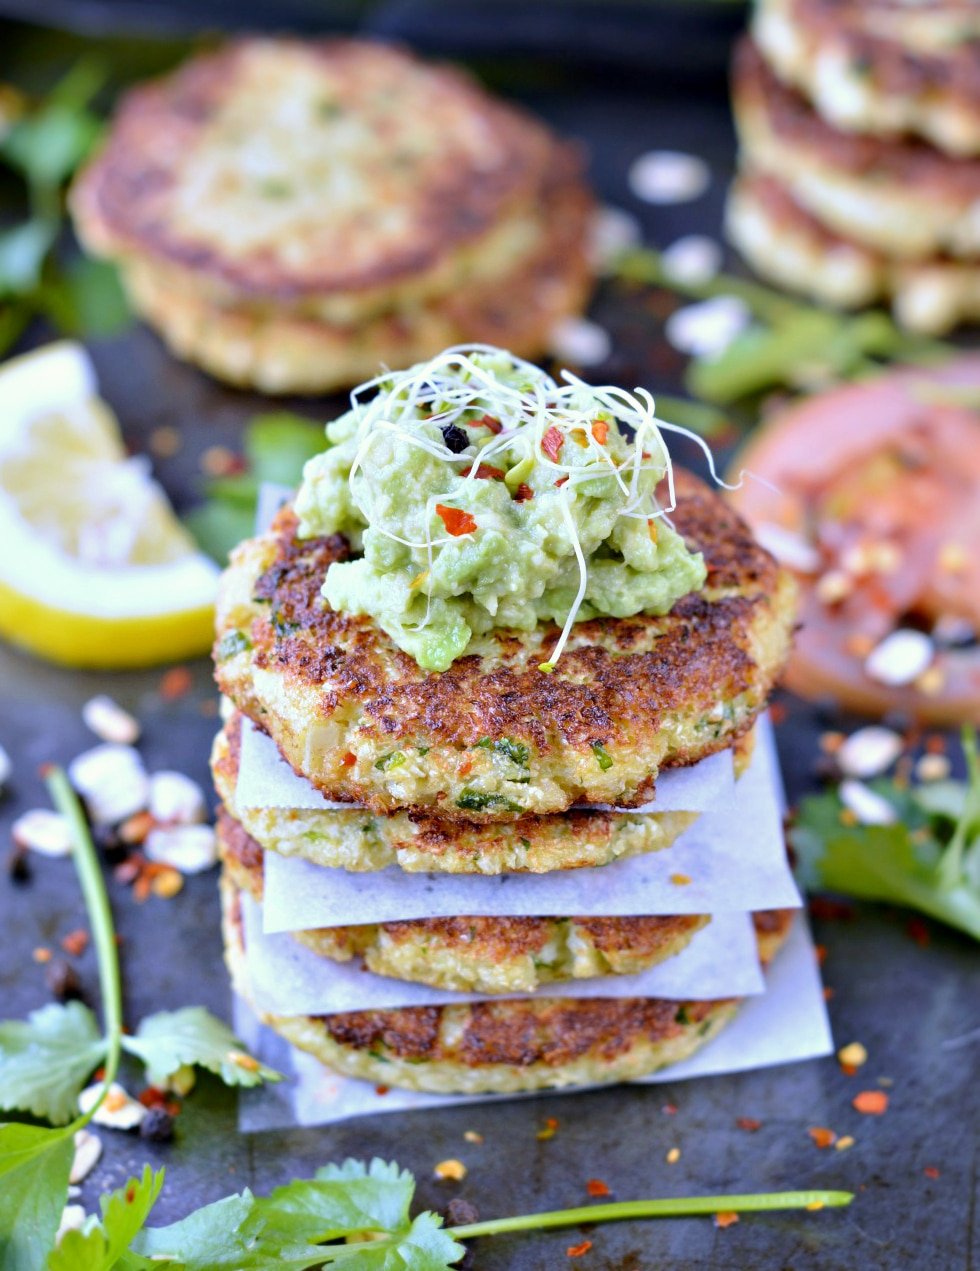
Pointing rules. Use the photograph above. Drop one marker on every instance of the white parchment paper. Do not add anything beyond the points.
(287, 978)
(785, 1024)
(265, 780)
(733, 855)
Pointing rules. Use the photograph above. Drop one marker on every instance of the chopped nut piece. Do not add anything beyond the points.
(668, 176)
(189, 848)
(109, 721)
(579, 341)
(451, 1170)
(900, 658)
(134, 829)
(175, 799)
(865, 804)
(41, 954)
(112, 781)
(42, 831)
(691, 260)
(117, 1111)
(869, 752)
(167, 883)
(88, 1149)
(472, 1136)
(933, 768)
(72, 1218)
(673, 1156)
(844, 1142)
(931, 681)
(953, 558)
(833, 587)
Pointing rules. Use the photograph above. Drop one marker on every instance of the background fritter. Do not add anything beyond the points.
(341, 701)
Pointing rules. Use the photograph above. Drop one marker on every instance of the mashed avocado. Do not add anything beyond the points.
(483, 494)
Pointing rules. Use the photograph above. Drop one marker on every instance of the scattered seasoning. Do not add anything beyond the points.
(560, 482)
(727, 1218)
(579, 1250)
(381, 1091)
(844, 1142)
(75, 942)
(918, 932)
(472, 1136)
(157, 1126)
(853, 1055)
(219, 461)
(680, 880)
(451, 1171)
(669, 1109)
(349, 760)
(63, 982)
(175, 683)
(930, 1171)
(549, 1129)
(456, 521)
(673, 1156)
(821, 1136)
(41, 955)
(165, 441)
(749, 1124)
(600, 431)
(552, 442)
(488, 421)
(134, 829)
(871, 1103)
(596, 1187)
(523, 493)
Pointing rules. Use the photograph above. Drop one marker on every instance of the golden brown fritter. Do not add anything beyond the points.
(502, 1046)
(340, 700)
(477, 954)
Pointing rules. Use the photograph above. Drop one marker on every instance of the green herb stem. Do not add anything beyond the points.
(680, 1207)
(100, 919)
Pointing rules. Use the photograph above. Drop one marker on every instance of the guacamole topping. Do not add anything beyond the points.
(483, 494)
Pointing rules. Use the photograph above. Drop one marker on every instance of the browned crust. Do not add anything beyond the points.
(123, 194)
(955, 74)
(494, 939)
(908, 162)
(615, 684)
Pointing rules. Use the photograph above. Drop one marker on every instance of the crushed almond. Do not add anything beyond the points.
(673, 1156)
(844, 1142)
(451, 1171)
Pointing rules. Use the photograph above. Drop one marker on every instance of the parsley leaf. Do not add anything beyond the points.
(46, 1059)
(34, 1166)
(168, 1040)
(929, 859)
(98, 1246)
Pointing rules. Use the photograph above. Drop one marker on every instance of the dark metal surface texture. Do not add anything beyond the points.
(912, 1007)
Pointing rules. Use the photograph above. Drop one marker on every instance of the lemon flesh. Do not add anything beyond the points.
(95, 569)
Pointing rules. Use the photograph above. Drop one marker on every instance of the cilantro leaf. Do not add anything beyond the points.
(230, 1235)
(34, 1166)
(425, 1246)
(99, 1246)
(341, 1199)
(46, 1059)
(929, 859)
(168, 1040)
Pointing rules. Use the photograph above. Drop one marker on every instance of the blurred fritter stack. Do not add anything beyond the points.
(291, 215)
(859, 127)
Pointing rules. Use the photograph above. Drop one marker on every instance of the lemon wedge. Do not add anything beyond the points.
(95, 569)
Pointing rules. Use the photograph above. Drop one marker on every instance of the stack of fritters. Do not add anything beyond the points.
(859, 125)
(292, 215)
(477, 770)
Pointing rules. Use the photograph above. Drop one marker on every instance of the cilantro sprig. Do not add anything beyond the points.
(927, 859)
(46, 1059)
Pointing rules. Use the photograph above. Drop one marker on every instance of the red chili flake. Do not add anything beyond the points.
(669, 1109)
(488, 421)
(548, 1130)
(849, 1070)
(456, 521)
(152, 1097)
(936, 744)
(484, 472)
(918, 932)
(382, 1090)
(349, 760)
(821, 952)
(596, 1187)
(130, 1193)
(577, 1251)
(830, 910)
(466, 766)
(75, 942)
(560, 482)
(821, 1136)
(175, 683)
(600, 430)
(748, 1123)
(727, 1218)
(778, 713)
(930, 1171)
(523, 493)
(873, 1103)
(172, 1107)
(552, 442)
(99, 1074)
(828, 993)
